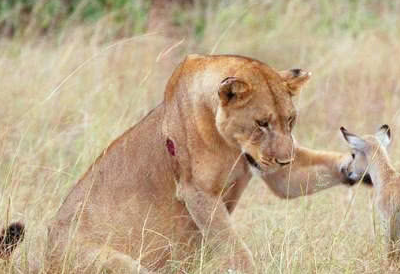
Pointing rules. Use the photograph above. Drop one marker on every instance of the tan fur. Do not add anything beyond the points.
(311, 172)
(371, 156)
(139, 205)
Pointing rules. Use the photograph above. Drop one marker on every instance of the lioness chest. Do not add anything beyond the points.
(127, 200)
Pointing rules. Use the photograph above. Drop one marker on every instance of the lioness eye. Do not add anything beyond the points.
(262, 123)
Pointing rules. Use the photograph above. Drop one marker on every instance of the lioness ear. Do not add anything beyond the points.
(354, 141)
(295, 79)
(383, 135)
(233, 90)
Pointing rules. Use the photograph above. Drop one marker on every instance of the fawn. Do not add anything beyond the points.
(369, 154)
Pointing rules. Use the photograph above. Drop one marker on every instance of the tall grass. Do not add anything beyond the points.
(65, 95)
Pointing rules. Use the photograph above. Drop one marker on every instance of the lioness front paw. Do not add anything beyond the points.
(345, 167)
(352, 173)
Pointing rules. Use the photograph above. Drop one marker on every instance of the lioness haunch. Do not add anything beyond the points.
(140, 206)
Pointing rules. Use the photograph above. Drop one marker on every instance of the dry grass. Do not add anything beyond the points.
(50, 133)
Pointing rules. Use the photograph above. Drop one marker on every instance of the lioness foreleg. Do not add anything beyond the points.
(212, 218)
(310, 172)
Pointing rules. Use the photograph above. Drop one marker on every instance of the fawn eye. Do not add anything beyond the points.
(262, 123)
(353, 156)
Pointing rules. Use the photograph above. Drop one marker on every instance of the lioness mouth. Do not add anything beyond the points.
(251, 161)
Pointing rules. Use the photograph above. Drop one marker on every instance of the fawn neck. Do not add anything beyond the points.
(380, 168)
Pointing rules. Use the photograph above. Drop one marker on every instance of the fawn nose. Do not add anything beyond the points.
(352, 175)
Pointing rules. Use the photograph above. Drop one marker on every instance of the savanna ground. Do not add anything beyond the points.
(69, 86)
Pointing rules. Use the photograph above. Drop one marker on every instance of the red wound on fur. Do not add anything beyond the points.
(171, 147)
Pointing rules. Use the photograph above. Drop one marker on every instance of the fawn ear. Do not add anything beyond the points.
(384, 136)
(354, 141)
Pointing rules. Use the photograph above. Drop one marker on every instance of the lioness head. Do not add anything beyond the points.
(256, 113)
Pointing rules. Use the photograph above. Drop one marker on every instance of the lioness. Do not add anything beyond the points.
(170, 182)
